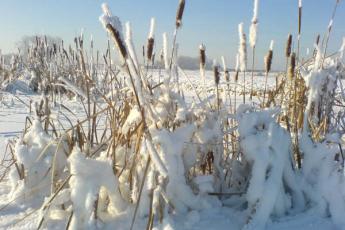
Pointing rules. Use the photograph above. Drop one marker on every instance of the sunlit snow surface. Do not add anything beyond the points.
(16, 215)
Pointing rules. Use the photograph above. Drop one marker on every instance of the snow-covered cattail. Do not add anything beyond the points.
(202, 62)
(292, 65)
(237, 68)
(216, 72)
(254, 25)
(242, 48)
(165, 51)
(268, 58)
(288, 46)
(150, 40)
(317, 41)
(268, 63)
(113, 25)
(179, 13)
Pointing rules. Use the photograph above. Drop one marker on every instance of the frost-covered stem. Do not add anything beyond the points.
(173, 49)
(244, 87)
(299, 26)
(227, 80)
(330, 26)
(140, 191)
(265, 89)
(236, 82)
(253, 39)
(242, 51)
(289, 84)
(295, 117)
(252, 80)
(52, 189)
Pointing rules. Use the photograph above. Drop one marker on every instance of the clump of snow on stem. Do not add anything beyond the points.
(271, 45)
(130, 44)
(323, 177)
(35, 154)
(152, 28)
(320, 81)
(266, 146)
(90, 177)
(107, 18)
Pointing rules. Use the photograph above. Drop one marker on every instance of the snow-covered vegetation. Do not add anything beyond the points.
(148, 146)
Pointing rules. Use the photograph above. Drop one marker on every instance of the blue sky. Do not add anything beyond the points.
(212, 22)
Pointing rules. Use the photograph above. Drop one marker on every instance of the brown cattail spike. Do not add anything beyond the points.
(288, 46)
(292, 66)
(317, 43)
(202, 55)
(227, 75)
(150, 44)
(179, 13)
(268, 61)
(216, 74)
(117, 38)
(317, 39)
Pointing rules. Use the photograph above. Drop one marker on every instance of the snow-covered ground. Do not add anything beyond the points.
(15, 214)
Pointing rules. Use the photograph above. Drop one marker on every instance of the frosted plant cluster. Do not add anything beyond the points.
(146, 155)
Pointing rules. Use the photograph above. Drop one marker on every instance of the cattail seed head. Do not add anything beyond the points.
(150, 40)
(113, 25)
(216, 72)
(268, 58)
(202, 55)
(254, 26)
(288, 46)
(292, 66)
(268, 61)
(118, 40)
(179, 13)
(150, 44)
(236, 76)
(317, 39)
(227, 75)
